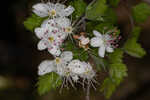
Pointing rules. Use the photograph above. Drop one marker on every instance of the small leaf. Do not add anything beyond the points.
(80, 7)
(108, 87)
(32, 22)
(141, 12)
(117, 72)
(133, 48)
(96, 10)
(136, 32)
(110, 16)
(116, 56)
(48, 82)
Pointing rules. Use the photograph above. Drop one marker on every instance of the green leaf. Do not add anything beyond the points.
(136, 32)
(99, 62)
(80, 7)
(114, 2)
(141, 12)
(33, 21)
(96, 10)
(110, 16)
(104, 26)
(117, 69)
(48, 82)
(117, 72)
(79, 53)
(108, 87)
(116, 56)
(133, 48)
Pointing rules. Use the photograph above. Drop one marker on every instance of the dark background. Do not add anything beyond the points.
(19, 59)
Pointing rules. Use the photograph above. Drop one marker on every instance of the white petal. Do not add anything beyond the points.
(97, 34)
(41, 9)
(46, 66)
(101, 51)
(63, 22)
(39, 32)
(59, 6)
(76, 67)
(67, 56)
(51, 5)
(68, 11)
(96, 42)
(85, 41)
(109, 49)
(44, 24)
(42, 45)
(55, 51)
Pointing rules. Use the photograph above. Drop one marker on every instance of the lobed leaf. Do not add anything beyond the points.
(48, 82)
(32, 22)
(96, 10)
(141, 12)
(80, 7)
(131, 46)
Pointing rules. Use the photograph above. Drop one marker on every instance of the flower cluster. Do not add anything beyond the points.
(65, 66)
(55, 29)
(52, 33)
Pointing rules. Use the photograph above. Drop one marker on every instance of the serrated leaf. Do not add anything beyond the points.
(110, 16)
(80, 7)
(100, 27)
(108, 87)
(116, 56)
(133, 48)
(141, 12)
(136, 32)
(48, 82)
(117, 72)
(96, 10)
(32, 22)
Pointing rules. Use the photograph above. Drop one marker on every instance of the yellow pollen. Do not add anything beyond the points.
(53, 12)
(51, 39)
(68, 29)
(57, 60)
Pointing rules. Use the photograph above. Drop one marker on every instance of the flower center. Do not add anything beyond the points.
(58, 60)
(53, 12)
(68, 30)
(51, 39)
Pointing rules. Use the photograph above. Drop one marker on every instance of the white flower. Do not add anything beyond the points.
(84, 40)
(88, 71)
(45, 67)
(50, 36)
(103, 42)
(53, 10)
(62, 63)
(65, 25)
(58, 65)
(75, 66)
(80, 69)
